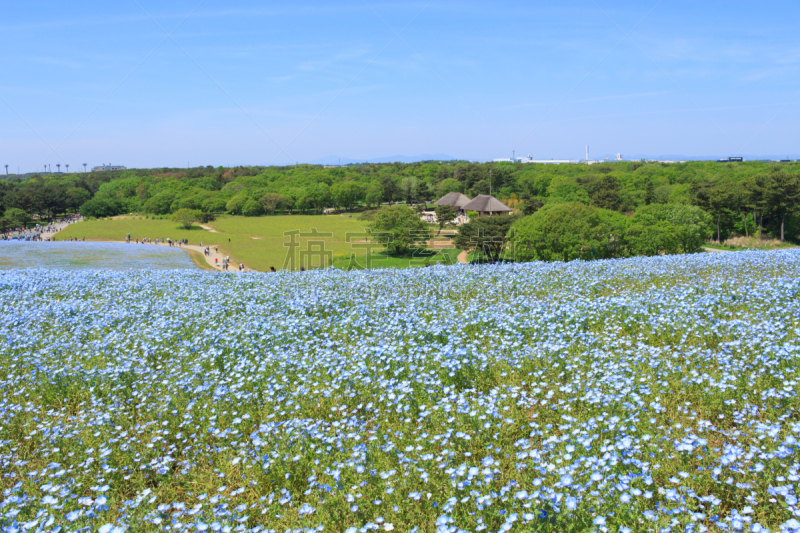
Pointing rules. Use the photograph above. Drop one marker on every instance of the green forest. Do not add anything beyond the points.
(738, 197)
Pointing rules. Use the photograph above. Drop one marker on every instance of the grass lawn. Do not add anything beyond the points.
(256, 242)
(382, 260)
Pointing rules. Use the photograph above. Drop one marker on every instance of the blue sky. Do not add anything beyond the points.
(272, 83)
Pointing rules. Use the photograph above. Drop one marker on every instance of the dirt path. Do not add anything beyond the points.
(714, 250)
(210, 259)
(463, 257)
(208, 228)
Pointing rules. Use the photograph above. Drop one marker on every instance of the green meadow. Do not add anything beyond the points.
(261, 242)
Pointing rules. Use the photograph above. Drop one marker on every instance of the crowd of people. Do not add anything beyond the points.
(40, 232)
(168, 242)
(224, 264)
(460, 219)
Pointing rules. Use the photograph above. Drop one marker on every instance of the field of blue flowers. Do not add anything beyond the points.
(648, 394)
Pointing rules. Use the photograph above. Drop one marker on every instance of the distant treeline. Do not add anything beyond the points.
(739, 196)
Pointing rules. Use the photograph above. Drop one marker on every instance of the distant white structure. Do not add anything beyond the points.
(530, 159)
(108, 167)
(553, 161)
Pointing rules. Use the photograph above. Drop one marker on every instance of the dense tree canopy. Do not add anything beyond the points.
(741, 197)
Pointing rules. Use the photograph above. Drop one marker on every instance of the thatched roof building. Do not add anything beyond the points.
(487, 205)
(454, 199)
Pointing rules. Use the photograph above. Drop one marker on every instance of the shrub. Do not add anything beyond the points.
(564, 232)
(689, 226)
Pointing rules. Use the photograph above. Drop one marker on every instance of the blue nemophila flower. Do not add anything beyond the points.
(560, 393)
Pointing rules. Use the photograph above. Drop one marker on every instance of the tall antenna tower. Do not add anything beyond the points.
(587, 152)
(514, 156)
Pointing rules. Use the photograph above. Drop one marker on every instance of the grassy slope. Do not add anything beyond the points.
(257, 242)
(742, 248)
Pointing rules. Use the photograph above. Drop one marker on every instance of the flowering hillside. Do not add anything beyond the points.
(627, 395)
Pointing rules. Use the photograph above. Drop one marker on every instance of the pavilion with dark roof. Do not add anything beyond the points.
(455, 200)
(487, 205)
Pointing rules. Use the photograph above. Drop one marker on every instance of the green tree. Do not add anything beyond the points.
(319, 195)
(76, 197)
(659, 238)
(99, 207)
(17, 218)
(160, 204)
(447, 186)
(649, 193)
(51, 199)
(236, 204)
(650, 232)
(739, 201)
(374, 194)
(186, 217)
(565, 192)
(757, 187)
(347, 194)
(444, 214)
(713, 197)
(489, 234)
(530, 205)
(409, 187)
(401, 226)
(214, 205)
(390, 188)
(252, 208)
(271, 201)
(693, 226)
(783, 195)
(565, 232)
(606, 193)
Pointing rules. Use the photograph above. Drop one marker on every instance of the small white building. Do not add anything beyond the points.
(108, 167)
